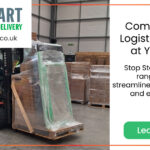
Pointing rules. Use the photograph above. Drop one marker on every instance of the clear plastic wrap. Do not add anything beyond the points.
(99, 85)
(28, 89)
(79, 79)
(55, 90)
(99, 69)
(44, 92)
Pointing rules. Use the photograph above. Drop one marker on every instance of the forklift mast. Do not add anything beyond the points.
(6, 70)
(6, 83)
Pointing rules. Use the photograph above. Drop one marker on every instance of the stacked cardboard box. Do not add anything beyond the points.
(99, 85)
(34, 36)
(78, 75)
(95, 58)
(77, 89)
(107, 61)
(68, 66)
(27, 88)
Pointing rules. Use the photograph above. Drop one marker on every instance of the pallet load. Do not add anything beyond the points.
(41, 97)
(95, 58)
(78, 74)
(99, 85)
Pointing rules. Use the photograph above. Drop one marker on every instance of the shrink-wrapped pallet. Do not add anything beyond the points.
(78, 74)
(44, 104)
(99, 85)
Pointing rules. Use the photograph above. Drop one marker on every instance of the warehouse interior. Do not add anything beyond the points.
(83, 32)
(76, 28)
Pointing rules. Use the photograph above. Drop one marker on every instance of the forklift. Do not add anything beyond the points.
(7, 59)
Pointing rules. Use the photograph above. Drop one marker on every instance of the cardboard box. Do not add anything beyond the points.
(107, 60)
(78, 75)
(95, 58)
(78, 90)
(91, 59)
(34, 36)
(99, 85)
(101, 60)
(97, 96)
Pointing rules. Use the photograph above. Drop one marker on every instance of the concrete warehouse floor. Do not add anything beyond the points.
(96, 121)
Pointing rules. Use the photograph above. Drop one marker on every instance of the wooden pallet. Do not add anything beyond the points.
(98, 105)
(45, 133)
(51, 135)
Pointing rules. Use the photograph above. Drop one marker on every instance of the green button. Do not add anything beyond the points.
(137, 130)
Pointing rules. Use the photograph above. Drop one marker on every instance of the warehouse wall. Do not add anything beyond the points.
(41, 20)
(83, 28)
